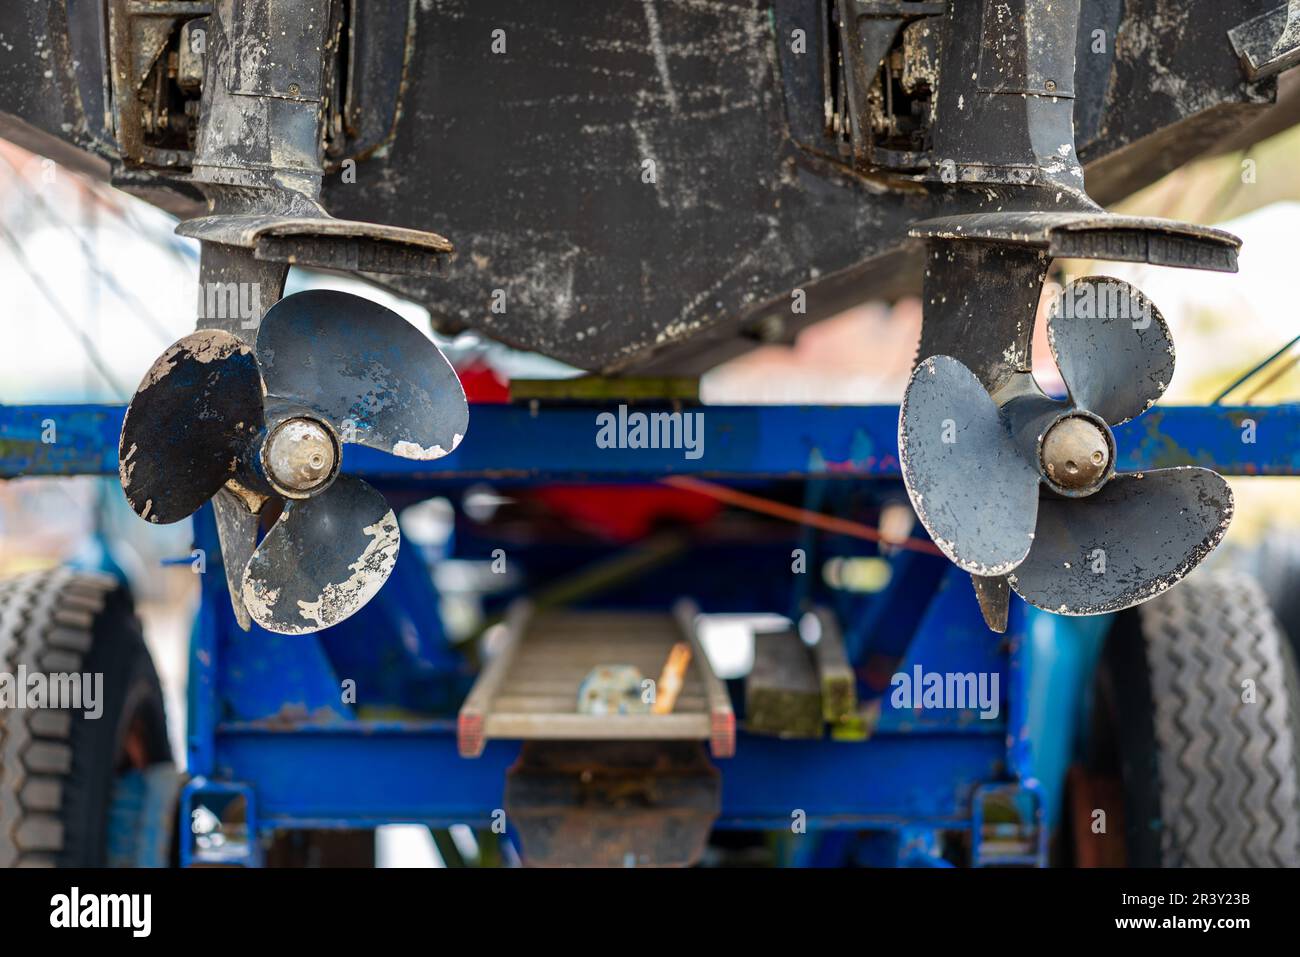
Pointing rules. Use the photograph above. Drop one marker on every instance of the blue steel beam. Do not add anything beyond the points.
(559, 442)
(365, 774)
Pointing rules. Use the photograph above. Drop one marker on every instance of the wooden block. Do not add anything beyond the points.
(839, 687)
(782, 692)
(470, 722)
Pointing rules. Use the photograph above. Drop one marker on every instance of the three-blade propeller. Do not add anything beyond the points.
(1025, 485)
(216, 419)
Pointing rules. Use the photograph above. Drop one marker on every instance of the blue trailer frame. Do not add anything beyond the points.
(267, 722)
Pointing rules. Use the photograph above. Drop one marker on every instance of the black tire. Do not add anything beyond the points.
(61, 772)
(1275, 563)
(1210, 779)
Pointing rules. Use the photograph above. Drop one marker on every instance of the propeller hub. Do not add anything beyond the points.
(300, 457)
(1076, 453)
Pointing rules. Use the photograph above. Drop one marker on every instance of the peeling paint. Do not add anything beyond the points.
(369, 572)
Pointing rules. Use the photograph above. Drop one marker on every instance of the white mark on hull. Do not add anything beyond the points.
(660, 54)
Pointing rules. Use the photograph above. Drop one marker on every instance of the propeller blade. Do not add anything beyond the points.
(322, 560)
(972, 489)
(195, 413)
(1112, 347)
(1137, 536)
(237, 532)
(377, 379)
(994, 597)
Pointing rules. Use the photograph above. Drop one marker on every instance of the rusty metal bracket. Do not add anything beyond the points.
(612, 803)
(857, 75)
(154, 107)
(1270, 43)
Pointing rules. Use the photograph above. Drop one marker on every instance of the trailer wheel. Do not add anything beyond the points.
(72, 788)
(1200, 699)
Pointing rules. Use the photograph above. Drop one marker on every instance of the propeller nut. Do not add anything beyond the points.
(300, 456)
(1076, 453)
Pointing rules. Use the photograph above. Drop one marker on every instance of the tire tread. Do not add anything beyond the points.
(46, 621)
(1229, 771)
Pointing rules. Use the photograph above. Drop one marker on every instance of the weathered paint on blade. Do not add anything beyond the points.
(195, 412)
(376, 377)
(324, 558)
(1142, 533)
(1112, 346)
(972, 489)
(237, 531)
